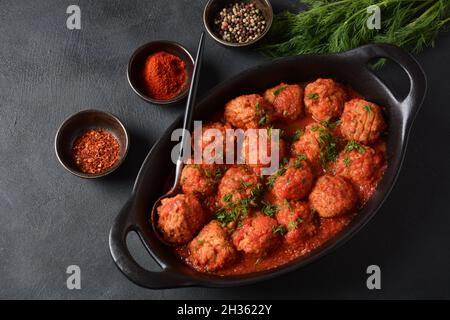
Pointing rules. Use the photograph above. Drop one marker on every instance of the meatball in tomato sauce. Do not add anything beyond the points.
(310, 143)
(211, 249)
(237, 184)
(287, 100)
(249, 111)
(362, 121)
(214, 134)
(324, 99)
(180, 218)
(298, 219)
(200, 179)
(256, 235)
(363, 166)
(258, 158)
(333, 196)
(294, 181)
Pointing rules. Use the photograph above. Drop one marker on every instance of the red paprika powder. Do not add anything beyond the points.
(163, 75)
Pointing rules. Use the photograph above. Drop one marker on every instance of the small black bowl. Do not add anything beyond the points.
(213, 7)
(77, 124)
(136, 64)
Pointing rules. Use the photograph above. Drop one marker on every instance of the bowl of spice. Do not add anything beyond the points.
(91, 143)
(237, 23)
(160, 72)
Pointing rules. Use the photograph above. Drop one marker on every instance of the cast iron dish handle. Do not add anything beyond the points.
(418, 83)
(125, 262)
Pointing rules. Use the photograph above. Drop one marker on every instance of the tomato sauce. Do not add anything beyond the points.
(282, 254)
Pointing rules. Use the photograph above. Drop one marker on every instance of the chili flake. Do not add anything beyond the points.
(95, 151)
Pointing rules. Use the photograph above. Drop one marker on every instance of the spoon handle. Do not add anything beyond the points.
(189, 110)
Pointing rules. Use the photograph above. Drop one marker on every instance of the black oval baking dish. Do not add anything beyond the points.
(351, 67)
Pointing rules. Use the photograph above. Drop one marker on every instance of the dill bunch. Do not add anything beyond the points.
(331, 26)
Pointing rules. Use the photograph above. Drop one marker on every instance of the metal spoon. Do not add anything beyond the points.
(186, 127)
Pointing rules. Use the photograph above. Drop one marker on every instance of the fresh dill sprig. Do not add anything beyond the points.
(331, 26)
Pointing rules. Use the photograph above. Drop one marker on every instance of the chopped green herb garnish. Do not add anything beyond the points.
(328, 145)
(271, 180)
(296, 135)
(269, 209)
(247, 184)
(313, 96)
(233, 212)
(347, 161)
(255, 193)
(227, 197)
(278, 91)
(223, 217)
(236, 211)
(292, 225)
(279, 229)
(245, 202)
(287, 204)
(207, 173)
(298, 161)
(353, 145)
(218, 173)
(263, 120)
(367, 108)
(331, 124)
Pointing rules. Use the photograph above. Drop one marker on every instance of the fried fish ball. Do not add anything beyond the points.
(295, 182)
(199, 179)
(310, 143)
(180, 218)
(249, 111)
(298, 219)
(256, 235)
(287, 100)
(208, 140)
(362, 121)
(324, 99)
(251, 152)
(211, 249)
(333, 196)
(238, 183)
(361, 166)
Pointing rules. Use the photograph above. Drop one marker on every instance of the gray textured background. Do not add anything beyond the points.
(50, 219)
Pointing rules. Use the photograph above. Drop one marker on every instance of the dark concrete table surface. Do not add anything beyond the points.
(50, 219)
